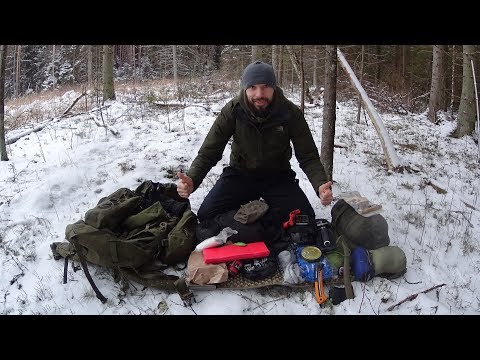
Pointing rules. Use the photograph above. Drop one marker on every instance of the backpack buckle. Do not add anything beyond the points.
(184, 292)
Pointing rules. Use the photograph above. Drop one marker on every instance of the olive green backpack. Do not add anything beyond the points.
(136, 233)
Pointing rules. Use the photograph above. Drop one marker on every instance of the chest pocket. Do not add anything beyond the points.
(276, 136)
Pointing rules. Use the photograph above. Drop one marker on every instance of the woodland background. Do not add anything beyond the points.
(168, 95)
(398, 78)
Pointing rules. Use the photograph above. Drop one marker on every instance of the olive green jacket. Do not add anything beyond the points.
(260, 146)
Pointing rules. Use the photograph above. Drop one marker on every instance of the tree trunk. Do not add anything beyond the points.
(54, 79)
(175, 71)
(275, 60)
(108, 88)
(18, 62)
(75, 65)
(359, 108)
(378, 53)
(329, 109)
(134, 64)
(294, 61)
(3, 59)
(296, 67)
(217, 56)
(280, 66)
(467, 109)
(302, 80)
(452, 90)
(255, 53)
(90, 65)
(437, 89)
(399, 79)
(315, 66)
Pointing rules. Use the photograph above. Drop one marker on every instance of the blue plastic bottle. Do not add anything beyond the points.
(307, 269)
(330, 272)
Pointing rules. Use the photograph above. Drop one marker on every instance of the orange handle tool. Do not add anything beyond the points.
(319, 292)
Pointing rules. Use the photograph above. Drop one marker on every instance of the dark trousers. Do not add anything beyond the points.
(233, 189)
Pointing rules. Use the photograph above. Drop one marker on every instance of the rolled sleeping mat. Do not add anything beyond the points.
(389, 261)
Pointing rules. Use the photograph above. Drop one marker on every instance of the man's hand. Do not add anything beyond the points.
(184, 185)
(325, 193)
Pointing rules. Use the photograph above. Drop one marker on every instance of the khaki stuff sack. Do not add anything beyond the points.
(369, 232)
(137, 233)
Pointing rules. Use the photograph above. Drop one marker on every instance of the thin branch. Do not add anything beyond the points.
(73, 104)
(414, 296)
(106, 126)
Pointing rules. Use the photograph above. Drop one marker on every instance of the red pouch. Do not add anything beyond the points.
(235, 252)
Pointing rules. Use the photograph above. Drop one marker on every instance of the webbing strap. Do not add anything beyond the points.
(65, 269)
(83, 262)
(346, 269)
(185, 293)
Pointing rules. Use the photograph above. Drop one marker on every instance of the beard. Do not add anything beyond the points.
(260, 111)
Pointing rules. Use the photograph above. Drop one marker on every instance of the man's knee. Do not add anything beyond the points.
(203, 213)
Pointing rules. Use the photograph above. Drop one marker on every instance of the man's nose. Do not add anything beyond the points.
(259, 92)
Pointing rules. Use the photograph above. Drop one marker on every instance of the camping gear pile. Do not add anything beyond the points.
(138, 234)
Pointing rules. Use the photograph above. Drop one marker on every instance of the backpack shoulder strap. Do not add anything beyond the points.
(83, 262)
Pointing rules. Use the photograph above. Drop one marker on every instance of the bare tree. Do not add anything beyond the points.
(175, 71)
(16, 86)
(302, 81)
(329, 109)
(398, 77)
(378, 54)
(90, 65)
(315, 66)
(437, 89)
(54, 78)
(359, 109)
(296, 67)
(255, 53)
(108, 88)
(452, 90)
(3, 59)
(467, 109)
(280, 73)
(275, 60)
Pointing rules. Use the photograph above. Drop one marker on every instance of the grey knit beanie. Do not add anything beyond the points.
(258, 73)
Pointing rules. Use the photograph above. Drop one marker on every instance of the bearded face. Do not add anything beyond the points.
(259, 97)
